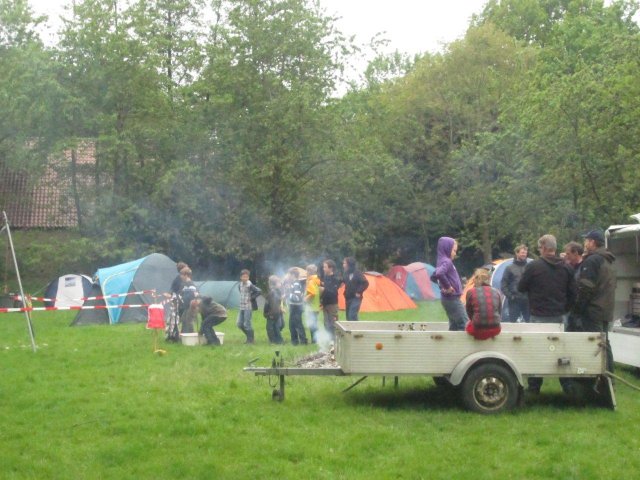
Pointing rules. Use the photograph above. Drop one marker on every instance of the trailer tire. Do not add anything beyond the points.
(490, 388)
(441, 382)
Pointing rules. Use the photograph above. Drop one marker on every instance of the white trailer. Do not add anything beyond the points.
(624, 242)
(489, 374)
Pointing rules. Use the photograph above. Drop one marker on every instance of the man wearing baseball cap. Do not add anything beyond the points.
(596, 288)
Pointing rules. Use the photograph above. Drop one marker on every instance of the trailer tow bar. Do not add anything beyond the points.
(279, 370)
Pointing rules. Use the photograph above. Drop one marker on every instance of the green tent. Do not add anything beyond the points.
(225, 293)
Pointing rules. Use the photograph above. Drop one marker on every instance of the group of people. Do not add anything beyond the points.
(186, 303)
(299, 298)
(576, 288)
(302, 298)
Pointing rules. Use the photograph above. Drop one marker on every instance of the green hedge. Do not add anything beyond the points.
(46, 254)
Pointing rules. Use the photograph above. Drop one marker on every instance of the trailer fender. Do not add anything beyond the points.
(461, 369)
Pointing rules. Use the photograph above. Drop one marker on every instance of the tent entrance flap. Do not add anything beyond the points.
(114, 283)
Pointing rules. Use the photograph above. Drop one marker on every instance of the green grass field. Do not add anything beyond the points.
(95, 402)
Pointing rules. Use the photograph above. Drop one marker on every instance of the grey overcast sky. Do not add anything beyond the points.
(412, 26)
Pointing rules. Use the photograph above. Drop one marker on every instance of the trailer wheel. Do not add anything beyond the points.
(490, 388)
(441, 382)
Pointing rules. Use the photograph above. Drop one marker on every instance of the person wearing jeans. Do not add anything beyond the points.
(448, 279)
(355, 283)
(248, 294)
(518, 303)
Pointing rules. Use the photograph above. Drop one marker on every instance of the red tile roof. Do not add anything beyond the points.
(33, 199)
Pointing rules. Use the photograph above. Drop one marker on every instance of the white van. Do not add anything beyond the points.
(624, 242)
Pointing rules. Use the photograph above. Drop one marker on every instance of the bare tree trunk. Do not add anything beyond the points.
(485, 238)
(74, 186)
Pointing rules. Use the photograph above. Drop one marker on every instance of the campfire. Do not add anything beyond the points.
(318, 360)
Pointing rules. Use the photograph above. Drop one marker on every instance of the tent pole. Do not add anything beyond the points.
(27, 314)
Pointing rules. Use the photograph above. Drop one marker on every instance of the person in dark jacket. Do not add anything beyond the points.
(355, 283)
(448, 279)
(176, 284)
(212, 314)
(188, 302)
(596, 289)
(573, 252)
(173, 306)
(573, 256)
(273, 311)
(329, 296)
(551, 288)
(549, 284)
(518, 302)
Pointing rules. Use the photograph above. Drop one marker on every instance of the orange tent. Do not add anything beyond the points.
(383, 295)
(470, 283)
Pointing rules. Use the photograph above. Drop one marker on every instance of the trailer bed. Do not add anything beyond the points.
(491, 373)
(397, 348)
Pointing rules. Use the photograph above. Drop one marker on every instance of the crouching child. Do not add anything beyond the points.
(212, 314)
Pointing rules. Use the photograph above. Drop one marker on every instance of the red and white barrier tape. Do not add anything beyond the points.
(47, 309)
(84, 299)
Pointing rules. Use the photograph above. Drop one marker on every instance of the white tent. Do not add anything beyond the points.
(68, 290)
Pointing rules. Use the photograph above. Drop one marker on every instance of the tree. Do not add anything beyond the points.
(270, 73)
(530, 21)
(578, 117)
(28, 88)
(446, 117)
(125, 81)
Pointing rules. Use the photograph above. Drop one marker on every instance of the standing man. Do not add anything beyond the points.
(596, 289)
(518, 301)
(573, 257)
(551, 288)
(573, 252)
(329, 296)
(355, 283)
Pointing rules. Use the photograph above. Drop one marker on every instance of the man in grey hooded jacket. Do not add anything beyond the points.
(518, 301)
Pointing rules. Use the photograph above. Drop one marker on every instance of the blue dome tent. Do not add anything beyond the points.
(153, 272)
